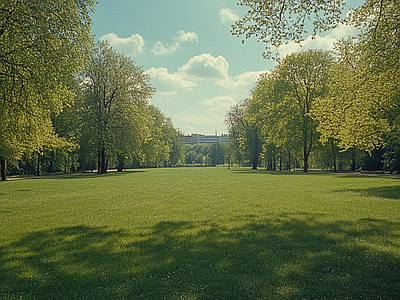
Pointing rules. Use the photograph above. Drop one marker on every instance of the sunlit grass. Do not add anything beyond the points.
(200, 233)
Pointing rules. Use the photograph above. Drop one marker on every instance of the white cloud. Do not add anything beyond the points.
(186, 36)
(183, 36)
(160, 49)
(228, 15)
(319, 42)
(190, 121)
(220, 104)
(343, 31)
(206, 66)
(165, 82)
(243, 81)
(199, 68)
(130, 46)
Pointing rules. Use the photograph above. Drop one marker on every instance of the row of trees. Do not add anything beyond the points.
(66, 104)
(110, 123)
(115, 123)
(321, 104)
(205, 155)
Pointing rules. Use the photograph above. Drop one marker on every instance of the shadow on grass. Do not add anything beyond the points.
(387, 192)
(285, 257)
(279, 173)
(85, 175)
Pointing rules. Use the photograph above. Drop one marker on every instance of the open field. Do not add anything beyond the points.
(200, 233)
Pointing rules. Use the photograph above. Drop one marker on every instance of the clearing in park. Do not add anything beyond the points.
(200, 233)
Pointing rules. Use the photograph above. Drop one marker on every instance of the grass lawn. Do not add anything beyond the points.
(200, 233)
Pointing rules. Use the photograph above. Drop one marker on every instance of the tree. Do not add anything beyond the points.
(275, 115)
(114, 99)
(190, 157)
(361, 108)
(358, 108)
(159, 144)
(43, 44)
(286, 96)
(244, 128)
(176, 156)
(216, 153)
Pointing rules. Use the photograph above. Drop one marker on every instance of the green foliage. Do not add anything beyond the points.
(43, 44)
(191, 157)
(351, 111)
(216, 154)
(379, 39)
(279, 110)
(177, 153)
(113, 106)
(245, 130)
(278, 22)
(198, 154)
(164, 145)
(204, 233)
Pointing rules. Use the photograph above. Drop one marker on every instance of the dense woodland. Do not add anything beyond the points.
(67, 104)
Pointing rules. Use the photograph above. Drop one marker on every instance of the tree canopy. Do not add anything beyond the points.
(277, 22)
(356, 104)
(115, 94)
(69, 101)
(43, 44)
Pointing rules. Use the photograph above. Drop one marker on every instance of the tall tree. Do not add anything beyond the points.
(115, 95)
(176, 155)
(43, 44)
(275, 115)
(302, 77)
(158, 146)
(244, 128)
(216, 153)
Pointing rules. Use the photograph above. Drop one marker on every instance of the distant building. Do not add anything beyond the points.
(205, 139)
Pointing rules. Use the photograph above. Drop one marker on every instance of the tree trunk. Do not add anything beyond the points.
(255, 164)
(353, 160)
(305, 167)
(99, 161)
(103, 168)
(3, 168)
(50, 169)
(38, 165)
(120, 163)
(333, 156)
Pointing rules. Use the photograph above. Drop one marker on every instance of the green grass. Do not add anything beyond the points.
(200, 233)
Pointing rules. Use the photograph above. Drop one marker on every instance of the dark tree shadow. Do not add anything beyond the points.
(388, 192)
(297, 172)
(279, 257)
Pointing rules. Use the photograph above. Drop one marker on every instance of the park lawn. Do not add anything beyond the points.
(200, 233)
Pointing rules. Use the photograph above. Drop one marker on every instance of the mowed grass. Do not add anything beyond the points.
(200, 233)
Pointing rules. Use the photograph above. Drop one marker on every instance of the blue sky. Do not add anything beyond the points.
(197, 67)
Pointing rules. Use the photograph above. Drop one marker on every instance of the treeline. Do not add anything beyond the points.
(318, 109)
(205, 155)
(338, 110)
(110, 123)
(68, 105)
